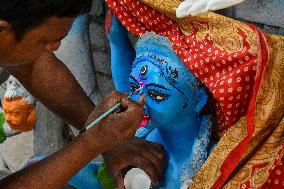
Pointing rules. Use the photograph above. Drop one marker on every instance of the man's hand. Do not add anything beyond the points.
(118, 126)
(148, 156)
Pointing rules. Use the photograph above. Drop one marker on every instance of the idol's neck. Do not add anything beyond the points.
(178, 139)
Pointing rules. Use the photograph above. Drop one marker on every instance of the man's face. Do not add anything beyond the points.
(37, 40)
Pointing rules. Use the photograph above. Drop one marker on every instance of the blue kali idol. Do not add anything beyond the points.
(176, 109)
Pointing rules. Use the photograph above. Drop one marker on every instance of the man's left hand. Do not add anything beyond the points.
(148, 156)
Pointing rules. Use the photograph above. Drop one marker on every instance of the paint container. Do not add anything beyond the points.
(136, 178)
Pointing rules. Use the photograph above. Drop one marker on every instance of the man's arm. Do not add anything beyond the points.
(55, 171)
(51, 82)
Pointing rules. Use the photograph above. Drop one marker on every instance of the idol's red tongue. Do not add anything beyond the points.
(144, 121)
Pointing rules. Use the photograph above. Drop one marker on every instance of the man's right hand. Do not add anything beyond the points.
(118, 126)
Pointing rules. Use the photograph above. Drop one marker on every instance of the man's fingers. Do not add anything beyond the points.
(132, 107)
(125, 103)
(157, 160)
(152, 173)
(115, 96)
(148, 167)
(138, 153)
(156, 164)
(119, 181)
(142, 100)
(159, 151)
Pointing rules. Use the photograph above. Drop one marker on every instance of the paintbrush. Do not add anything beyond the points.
(109, 111)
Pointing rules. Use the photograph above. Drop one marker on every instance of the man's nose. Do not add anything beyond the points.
(51, 47)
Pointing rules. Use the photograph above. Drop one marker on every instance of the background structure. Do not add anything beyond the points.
(51, 133)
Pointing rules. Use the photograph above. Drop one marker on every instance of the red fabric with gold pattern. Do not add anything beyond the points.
(228, 76)
(276, 176)
(276, 173)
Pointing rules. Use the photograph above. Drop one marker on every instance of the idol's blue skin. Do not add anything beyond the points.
(175, 101)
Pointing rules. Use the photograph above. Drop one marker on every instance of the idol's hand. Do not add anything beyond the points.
(148, 156)
(118, 126)
(195, 7)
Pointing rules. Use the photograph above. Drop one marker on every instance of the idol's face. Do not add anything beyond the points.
(19, 115)
(167, 105)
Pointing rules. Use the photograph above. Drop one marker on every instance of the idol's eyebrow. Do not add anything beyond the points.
(156, 85)
(133, 78)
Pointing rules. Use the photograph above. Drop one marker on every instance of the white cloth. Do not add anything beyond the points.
(195, 7)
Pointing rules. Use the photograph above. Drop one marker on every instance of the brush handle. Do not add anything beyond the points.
(109, 111)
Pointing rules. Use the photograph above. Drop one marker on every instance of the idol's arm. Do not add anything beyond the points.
(51, 82)
(122, 54)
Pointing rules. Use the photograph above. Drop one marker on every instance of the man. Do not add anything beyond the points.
(29, 33)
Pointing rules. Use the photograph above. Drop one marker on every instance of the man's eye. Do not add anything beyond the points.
(133, 87)
(158, 97)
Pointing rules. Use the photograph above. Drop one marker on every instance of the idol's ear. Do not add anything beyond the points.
(203, 97)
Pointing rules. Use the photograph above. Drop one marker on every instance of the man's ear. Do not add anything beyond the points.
(5, 27)
(203, 97)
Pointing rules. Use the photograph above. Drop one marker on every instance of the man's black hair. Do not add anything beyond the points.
(25, 14)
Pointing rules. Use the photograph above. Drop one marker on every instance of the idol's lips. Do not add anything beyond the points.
(144, 121)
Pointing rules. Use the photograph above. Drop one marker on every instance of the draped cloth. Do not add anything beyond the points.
(243, 69)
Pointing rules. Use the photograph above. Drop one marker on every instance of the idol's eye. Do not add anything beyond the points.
(133, 87)
(158, 97)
